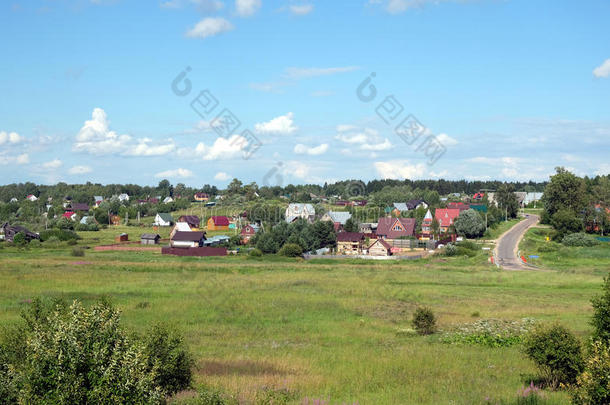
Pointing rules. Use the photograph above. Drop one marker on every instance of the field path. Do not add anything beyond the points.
(508, 243)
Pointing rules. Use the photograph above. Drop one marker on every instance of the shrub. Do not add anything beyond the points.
(548, 247)
(19, 239)
(593, 385)
(78, 251)
(52, 241)
(579, 239)
(601, 313)
(206, 397)
(255, 253)
(61, 234)
(467, 244)
(291, 250)
(71, 242)
(424, 321)
(490, 332)
(450, 250)
(169, 358)
(556, 352)
(35, 243)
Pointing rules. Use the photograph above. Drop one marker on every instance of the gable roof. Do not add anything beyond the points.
(446, 216)
(300, 207)
(166, 216)
(382, 243)
(220, 220)
(412, 204)
(192, 220)
(98, 198)
(339, 216)
(428, 217)
(386, 226)
(188, 236)
(80, 207)
(401, 206)
(150, 236)
(458, 206)
(350, 236)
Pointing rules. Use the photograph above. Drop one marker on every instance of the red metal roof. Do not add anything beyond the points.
(446, 216)
(220, 221)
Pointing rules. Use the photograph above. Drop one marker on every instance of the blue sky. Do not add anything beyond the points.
(498, 89)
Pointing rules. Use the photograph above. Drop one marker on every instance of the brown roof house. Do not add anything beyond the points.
(350, 243)
(192, 220)
(395, 228)
(187, 239)
(380, 248)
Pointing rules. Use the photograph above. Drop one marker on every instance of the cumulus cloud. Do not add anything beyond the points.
(366, 139)
(301, 149)
(400, 169)
(282, 125)
(305, 73)
(80, 170)
(209, 27)
(11, 159)
(446, 140)
(246, 8)
(221, 149)
(301, 9)
(22, 159)
(179, 173)
(9, 138)
(203, 6)
(400, 6)
(603, 70)
(222, 176)
(52, 165)
(95, 137)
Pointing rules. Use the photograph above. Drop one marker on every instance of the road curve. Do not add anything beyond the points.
(508, 244)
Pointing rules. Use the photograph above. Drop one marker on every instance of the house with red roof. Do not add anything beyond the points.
(218, 223)
(445, 217)
(69, 215)
(248, 232)
(394, 228)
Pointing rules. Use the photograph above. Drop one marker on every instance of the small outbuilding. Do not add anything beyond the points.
(122, 238)
(150, 239)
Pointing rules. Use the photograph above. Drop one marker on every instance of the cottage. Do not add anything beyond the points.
(394, 228)
(248, 232)
(97, 199)
(216, 240)
(380, 248)
(123, 197)
(210, 204)
(338, 218)
(415, 204)
(201, 197)
(399, 208)
(9, 232)
(187, 239)
(163, 219)
(32, 197)
(350, 243)
(69, 215)
(458, 206)
(218, 223)
(192, 220)
(299, 210)
(150, 239)
(13, 200)
(367, 227)
(445, 217)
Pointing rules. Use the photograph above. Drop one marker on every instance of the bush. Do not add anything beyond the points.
(52, 241)
(450, 249)
(579, 239)
(61, 234)
(470, 245)
(601, 314)
(556, 352)
(35, 243)
(593, 385)
(424, 321)
(206, 397)
(78, 251)
(255, 253)
(470, 224)
(19, 239)
(291, 250)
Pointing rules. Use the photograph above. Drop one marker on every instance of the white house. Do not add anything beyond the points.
(123, 197)
(187, 239)
(98, 200)
(299, 210)
(32, 197)
(163, 219)
(168, 199)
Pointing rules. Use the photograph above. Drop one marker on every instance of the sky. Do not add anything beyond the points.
(302, 91)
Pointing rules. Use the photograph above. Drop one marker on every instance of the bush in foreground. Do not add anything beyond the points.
(424, 321)
(601, 314)
(79, 355)
(255, 253)
(594, 383)
(557, 354)
(291, 250)
(579, 239)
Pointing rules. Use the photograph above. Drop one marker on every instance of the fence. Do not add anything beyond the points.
(199, 251)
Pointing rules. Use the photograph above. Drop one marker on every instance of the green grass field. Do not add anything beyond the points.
(336, 330)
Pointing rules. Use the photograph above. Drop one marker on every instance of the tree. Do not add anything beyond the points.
(564, 191)
(350, 226)
(470, 224)
(507, 200)
(435, 227)
(565, 221)
(235, 187)
(601, 313)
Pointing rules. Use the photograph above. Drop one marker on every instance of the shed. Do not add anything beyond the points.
(150, 239)
(122, 238)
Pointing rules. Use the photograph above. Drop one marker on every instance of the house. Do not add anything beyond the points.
(218, 223)
(150, 239)
(367, 227)
(168, 200)
(80, 207)
(445, 217)
(123, 197)
(478, 196)
(415, 204)
(299, 210)
(380, 248)
(98, 199)
(343, 203)
(338, 218)
(426, 225)
(400, 207)
(10, 232)
(201, 197)
(520, 197)
(532, 197)
(458, 206)
(187, 239)
(69, 215)
(163, 219)
(192, 220)
(248, 232)
(32, 197)
(350, 243)
(394, 228)
(13, 200)
(216, 240)
(122, 238)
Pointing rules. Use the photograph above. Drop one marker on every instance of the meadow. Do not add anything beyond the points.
(318, 329)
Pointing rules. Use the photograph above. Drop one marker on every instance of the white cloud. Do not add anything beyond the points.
(23, 159)
(314, 151)
(346, 127)
(246, 8)
(175, 174)
(367, 139)
(385, 145)
(446, 140)
(603, 70)
(222, 176)
(52, 165)
(301, 9)
(305, 73)
(209, 27)
(400, 6)
(400, 169)
(282, 125)
(80, 170)
(204, 6)
(10, 159)
(96, 138)
(223, 148)
(9, 137)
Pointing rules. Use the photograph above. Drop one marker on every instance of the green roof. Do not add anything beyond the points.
(479, 207)
(166, 217)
